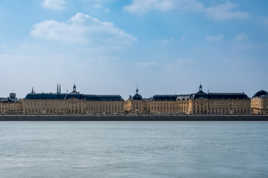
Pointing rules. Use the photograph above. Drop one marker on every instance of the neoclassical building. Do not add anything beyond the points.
(71, 103)
(216, 103)
(136, 104)
(198, 103)
(195, 103)
(164, 104)
(10, 105)
(259, 103)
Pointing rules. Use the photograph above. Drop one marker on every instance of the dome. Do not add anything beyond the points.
(200, 94)
(137, 96)
(260, 93)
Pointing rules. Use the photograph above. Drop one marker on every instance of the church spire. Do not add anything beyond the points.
(200, 87)
(74, 89)
(32, 90)
(137, 91)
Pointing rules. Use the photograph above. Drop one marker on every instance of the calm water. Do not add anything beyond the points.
(134, 149)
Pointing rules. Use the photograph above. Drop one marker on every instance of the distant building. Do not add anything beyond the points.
(199, 103)
(10, 105)
(71, 103)
(196, 103)
(136, 104)
(259, 103)
(164, 104)
(218, 103)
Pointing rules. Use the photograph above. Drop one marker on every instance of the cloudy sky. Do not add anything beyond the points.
(114, 46)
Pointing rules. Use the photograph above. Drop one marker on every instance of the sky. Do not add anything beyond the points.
(115, 46)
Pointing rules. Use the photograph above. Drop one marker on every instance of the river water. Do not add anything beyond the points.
(133, 149)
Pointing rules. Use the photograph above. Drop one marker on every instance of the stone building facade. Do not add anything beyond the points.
(10, 105)
(196, 103)
(72, 103)
(136, 104)
(199, 103)
(164, 104)
(259, 103)
(11, 108)
(216, 103)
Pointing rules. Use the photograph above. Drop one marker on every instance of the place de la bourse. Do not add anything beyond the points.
(199, 103)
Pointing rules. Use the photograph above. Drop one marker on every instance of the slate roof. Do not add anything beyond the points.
(199, 95)
(7, 100)
(137, 97)
(54, 96)
(227, 96)
(183, 97)
(4, 100)
(264, 96)
(260, 93)
(164, 97)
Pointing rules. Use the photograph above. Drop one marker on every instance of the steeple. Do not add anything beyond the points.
(137, 91)
(58, 89)
(74, 89)
(32, 90)
(137, 96)
(200, 87)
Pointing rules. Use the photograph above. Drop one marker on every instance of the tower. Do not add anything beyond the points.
(137, 91)
(58, 88)
(200, 87)
(33, 92)
(74, 89)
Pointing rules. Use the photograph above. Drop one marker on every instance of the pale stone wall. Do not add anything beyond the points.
(259, 105)
(183, 106)
(265, 105)
(191, 106)
(136, 106)
(229, 106)
(220, 106)
(163, 107)
(199, 106)
(71, 106)
(11, 107)
(106, 107)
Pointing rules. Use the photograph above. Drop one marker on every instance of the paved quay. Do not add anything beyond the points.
(133, 118)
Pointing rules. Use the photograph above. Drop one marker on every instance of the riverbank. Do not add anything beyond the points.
(132, 118)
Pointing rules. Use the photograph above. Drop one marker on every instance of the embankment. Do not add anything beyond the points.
(132, 118)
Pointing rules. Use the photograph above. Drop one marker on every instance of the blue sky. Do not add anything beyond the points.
(114, 46)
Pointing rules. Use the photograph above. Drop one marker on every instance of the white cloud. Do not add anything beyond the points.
(82, 28)
(143, 6)
(241, 37)
(54, 4)
(223, 11)
(215, 38)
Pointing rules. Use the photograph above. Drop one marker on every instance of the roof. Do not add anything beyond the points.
(199, 95)
(202, 94)
(260, 93)
(4, 100)
(137, 97)
(183, 97)
(265, 96)
(54, 96)
(165, 97)
(227, 96)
